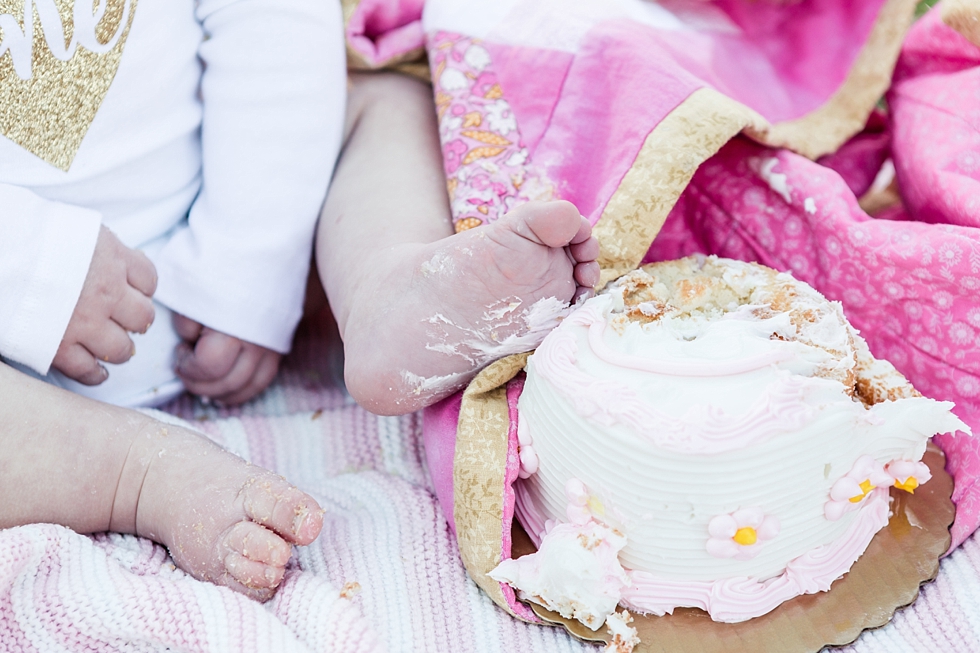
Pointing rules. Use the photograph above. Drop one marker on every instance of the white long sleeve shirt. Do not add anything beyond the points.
(204, 132)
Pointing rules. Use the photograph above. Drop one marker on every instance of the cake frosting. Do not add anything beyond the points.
(724, 429)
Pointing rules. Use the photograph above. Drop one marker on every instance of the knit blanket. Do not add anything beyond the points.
(384, 575)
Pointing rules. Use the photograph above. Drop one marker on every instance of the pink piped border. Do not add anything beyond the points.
(514, 389)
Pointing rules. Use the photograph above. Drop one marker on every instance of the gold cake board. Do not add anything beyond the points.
(901, 557)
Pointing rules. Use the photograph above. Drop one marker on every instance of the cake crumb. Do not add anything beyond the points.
(624, 636)
(350, 590)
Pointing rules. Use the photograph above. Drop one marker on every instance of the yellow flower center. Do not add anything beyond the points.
(745, 536)
(909, 485)
(595, 506)
(865, 488)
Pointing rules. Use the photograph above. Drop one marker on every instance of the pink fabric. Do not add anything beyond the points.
(380, 30)
(477, 126)
(587, 148)
(809, 47)
(585, 115)
(533, 97)
(859, 160)
(439, 429)
(62, 591)
(935, 116)
(514, 389)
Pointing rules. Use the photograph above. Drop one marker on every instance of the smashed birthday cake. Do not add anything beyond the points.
(707, 433)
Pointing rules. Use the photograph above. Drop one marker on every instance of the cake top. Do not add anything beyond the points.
(706, 288)
(700, 291)
(689, 344)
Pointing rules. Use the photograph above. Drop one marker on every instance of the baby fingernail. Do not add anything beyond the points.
(271, 575)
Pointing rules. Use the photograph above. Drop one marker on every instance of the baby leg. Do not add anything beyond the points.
(92, 467)
(421, 309)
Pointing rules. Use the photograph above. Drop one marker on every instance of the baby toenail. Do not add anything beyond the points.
(298, 521)
(271, 575)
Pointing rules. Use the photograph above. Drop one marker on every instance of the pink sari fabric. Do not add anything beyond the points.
(572, 117)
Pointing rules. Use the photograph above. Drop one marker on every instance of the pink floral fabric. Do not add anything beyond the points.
(482, 151)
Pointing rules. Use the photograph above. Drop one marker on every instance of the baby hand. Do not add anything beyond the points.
(221, 367)
(114, 299)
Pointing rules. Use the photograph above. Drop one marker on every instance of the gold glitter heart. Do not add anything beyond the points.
(56, 64)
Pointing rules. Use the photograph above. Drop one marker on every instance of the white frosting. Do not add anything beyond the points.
(623, 637)
(676, 421)
(575, 572)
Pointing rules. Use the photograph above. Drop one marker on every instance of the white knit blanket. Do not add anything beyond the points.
(383, 576)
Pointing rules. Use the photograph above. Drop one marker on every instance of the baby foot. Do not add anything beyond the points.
(223, 519)
(432, 315)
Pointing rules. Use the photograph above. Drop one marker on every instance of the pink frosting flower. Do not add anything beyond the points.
(525, 451)
(740, 534)
(908, 474)
(850, 490)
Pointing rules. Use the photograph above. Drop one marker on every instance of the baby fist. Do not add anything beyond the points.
(218, 366)
(115, 300)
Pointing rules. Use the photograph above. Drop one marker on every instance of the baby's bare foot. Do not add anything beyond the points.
(431, 315)
(223, 519)
(92, 467)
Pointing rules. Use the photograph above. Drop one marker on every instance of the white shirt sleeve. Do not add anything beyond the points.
(45, 252)
(273, 89)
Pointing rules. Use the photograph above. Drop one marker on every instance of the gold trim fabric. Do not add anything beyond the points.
(47, 103)
(479, 471)
(824, 130)
(964, 17)
(691, 134)
(706, 120)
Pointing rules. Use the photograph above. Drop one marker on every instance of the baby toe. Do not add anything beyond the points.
(258, 544)
(255, 576)
(585, 251)
(282, 508)
(555, 224)
(587, 274)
